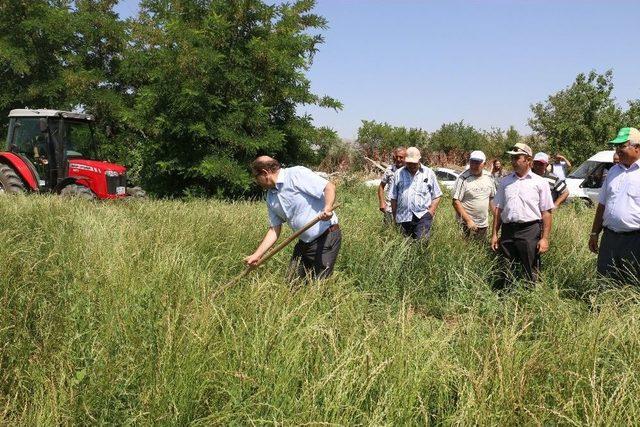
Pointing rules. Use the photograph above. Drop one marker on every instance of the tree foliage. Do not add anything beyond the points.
(216, 83)
(379, 139)
(578, 120)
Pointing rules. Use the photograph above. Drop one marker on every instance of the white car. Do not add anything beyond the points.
(446, 177)
(585, 182)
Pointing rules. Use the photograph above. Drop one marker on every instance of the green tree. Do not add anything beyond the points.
(379, 139)
(216, 83)
(35, 36)
(459, 136)
(578, 120)
(631, 117)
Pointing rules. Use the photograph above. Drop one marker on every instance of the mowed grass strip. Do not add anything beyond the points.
(106, 316)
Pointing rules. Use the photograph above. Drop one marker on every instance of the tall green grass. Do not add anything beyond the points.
(106, 317)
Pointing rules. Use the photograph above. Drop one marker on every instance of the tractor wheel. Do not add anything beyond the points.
(10, 182)
(136, 192)
(75, 190)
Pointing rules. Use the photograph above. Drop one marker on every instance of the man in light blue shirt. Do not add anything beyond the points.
(618, 212)
(296, 196)
(415, 195)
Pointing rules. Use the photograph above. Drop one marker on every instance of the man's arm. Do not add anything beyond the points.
(497, 222)
(434, 205)
(457, 205)
(394, 208)
(543, 243)
(561, 198)
(596, 228)
(381, 200)
(329, 199)
(269, 239)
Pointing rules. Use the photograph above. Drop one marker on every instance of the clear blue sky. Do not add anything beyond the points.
(423, 63)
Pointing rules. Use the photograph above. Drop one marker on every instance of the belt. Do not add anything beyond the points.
(522, 224)
(623, 233)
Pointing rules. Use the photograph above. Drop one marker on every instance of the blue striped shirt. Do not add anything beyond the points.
(297, 199)
(414, 194)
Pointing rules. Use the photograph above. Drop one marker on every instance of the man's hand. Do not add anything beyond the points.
(325, 215)
(593, 243)
(495, 242)
(471, 225)
(543, 245)
(383, 207)
(252, 259)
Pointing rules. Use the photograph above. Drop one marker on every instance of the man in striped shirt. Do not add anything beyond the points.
(557, 185)
(415, 195)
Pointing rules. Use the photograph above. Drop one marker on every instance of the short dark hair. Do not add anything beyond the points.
(265, 163)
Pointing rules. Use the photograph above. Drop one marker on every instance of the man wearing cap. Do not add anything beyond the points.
(473, 195)
(558, 186)
(618, 211)
(399, 153)
(297, 195)
(523, 212)
(415, 195)
(560, 166)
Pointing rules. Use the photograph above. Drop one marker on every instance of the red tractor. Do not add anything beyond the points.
(53, 151)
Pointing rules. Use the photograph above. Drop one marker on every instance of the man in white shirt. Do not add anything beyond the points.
(618, 211)
(296, 196)
(523, 211)
(473, 195)
(560, 166)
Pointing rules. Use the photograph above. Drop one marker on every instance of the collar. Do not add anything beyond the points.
(280, 178)
(529, 174)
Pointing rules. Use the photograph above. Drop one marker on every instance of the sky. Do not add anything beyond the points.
(424, 63)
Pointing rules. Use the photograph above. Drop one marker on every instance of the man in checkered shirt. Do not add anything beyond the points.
(415, 195)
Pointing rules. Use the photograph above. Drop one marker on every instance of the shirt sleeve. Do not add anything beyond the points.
(393, 189)
(386, 177)
(492, 195)
(602, 198)
(546, 199)
(307, 181)
(499, 199)
(274, 220)
(458, 189)
(435, 189)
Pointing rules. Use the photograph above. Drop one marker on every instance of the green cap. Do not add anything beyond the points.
(627, 134)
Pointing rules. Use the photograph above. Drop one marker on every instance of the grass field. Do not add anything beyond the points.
(106, 317)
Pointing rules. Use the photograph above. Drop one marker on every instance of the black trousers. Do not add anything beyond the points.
(315, 258)
(619, 255)
(418, 228)
(519, 244)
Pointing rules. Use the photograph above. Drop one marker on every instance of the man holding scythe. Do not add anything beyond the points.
(296, 196)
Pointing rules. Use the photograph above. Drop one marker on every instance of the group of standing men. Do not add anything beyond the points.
(521, 203)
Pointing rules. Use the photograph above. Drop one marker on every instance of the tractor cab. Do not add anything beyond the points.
(55, 151)
(49, 139)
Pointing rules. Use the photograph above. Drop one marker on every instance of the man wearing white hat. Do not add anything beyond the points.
(557, 185)
(523, 214)
(618, 212)
(415, 195)
(473, 195)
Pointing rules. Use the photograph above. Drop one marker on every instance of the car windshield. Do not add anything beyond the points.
(585, 169)
(78, 138)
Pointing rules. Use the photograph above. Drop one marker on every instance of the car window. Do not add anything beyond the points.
(445, 176)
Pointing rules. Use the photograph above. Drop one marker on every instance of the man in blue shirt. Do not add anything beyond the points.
(415, 195)
(296, 196)
(618, 212)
